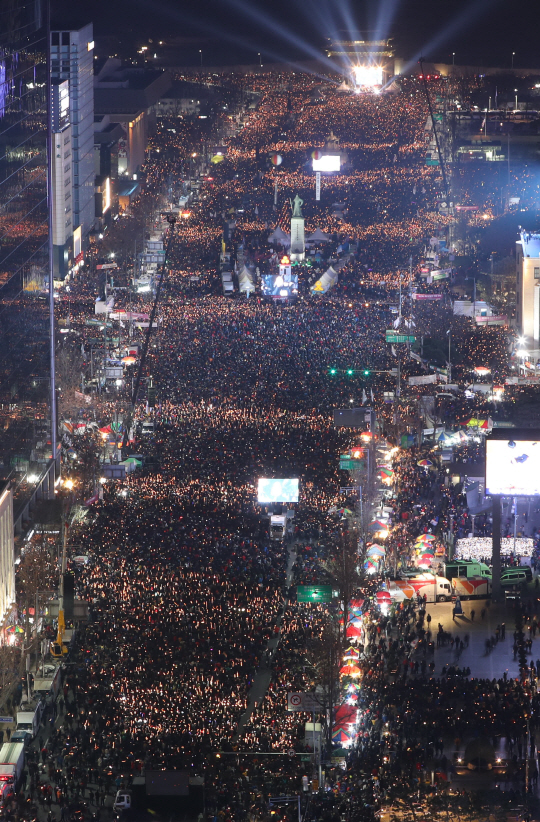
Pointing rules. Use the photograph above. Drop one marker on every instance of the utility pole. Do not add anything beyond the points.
(496, 551)
(449, 332)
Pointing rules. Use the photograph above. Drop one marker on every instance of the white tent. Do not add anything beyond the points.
(245, 283)
(318, 236)
(279, 236)
(326, 282)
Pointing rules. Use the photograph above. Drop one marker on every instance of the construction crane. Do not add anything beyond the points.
(171, 219)
(446, 190)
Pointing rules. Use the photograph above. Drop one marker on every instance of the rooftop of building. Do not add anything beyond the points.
(355, 44)
(109, 133)
(530, 243)
(126, 90)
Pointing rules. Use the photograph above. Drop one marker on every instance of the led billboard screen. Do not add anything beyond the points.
(277, 490)
(280, 286)
(513, 467)
(368, 76)
(328, 162)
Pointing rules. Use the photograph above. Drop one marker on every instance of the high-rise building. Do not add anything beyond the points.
(528, 287)
(61, 175)
(25, 375)
(72, 59)
(7, 552)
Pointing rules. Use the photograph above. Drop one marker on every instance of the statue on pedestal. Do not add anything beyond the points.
(296, 206)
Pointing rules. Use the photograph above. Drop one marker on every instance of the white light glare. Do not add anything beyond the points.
(368, 76)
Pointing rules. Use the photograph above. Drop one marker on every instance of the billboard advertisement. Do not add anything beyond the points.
(513, 466)
(328, 162)
(277, 490)
(354, 418)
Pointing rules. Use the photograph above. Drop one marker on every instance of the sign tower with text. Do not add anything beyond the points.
(298, 243)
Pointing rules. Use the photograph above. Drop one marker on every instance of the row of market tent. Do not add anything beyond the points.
(345, 726)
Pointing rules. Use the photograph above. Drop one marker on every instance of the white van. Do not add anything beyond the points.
(147, 428)
(122, 801)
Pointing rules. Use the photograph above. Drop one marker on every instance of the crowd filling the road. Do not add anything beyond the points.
(185, 584)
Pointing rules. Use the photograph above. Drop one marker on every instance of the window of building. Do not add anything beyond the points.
(65, 38)
(537, 273)
(55, 38)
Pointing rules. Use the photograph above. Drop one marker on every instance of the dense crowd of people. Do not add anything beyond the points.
(192, 601)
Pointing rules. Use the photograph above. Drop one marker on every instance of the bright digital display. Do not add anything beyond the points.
(368, 76)
(277, 490)
(60, 105)
(328, 162)
(280, 286)
(513, 467)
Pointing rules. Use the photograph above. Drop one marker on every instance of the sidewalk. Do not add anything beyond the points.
(72, 795)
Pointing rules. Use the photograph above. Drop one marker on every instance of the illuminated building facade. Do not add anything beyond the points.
(72, 59)
(25, 393)
(62, 171)
(370, 61)
(7, 553)
(528, 287)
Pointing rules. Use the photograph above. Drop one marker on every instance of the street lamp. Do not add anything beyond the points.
(260, 59)
(515, 93)
(453, 58)
(513, 55)
(200, 53)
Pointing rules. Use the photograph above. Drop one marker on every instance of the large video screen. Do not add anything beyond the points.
(513, 467)
(368, 76)
(277, 490)
(280, 286)
(328, 162)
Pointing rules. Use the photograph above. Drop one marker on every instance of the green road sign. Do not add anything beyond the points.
(314, 593)
(347, 464)
(394, 337)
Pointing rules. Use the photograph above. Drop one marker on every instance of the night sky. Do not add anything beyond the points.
(480, 32)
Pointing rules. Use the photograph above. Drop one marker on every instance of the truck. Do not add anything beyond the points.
(466, 568)
(436, 589)
(11, 765)
(281, 525)
(29, 720)
(470, 587)
(227, 282)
